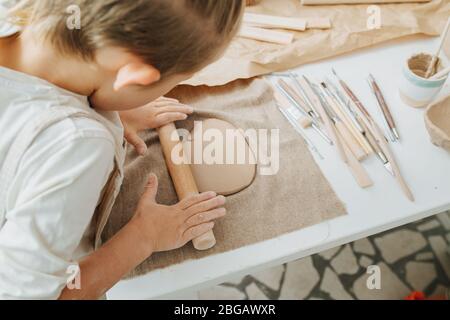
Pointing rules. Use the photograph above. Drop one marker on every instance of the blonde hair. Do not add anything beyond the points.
(175, 36)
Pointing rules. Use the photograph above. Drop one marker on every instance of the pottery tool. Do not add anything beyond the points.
(435, 58)
(391, 164)
(366, 119)
(298, 102)
(366, 132)
(356, 168)
(341, 126)
(310, 105)
(441, 74)
(344, 103)
(182, 178)
(288, 23)
(298, 129)
(331, 129)
(278, 37)
(268, 21)
(349, 123)
(358, 171)
(384, 107)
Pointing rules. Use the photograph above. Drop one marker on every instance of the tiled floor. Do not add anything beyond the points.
(413, 257)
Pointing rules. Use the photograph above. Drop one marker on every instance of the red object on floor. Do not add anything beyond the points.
(416, 295)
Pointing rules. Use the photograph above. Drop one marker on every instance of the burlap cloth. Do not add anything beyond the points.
(297, 197)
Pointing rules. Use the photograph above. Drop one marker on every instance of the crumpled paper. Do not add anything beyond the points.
(249, 58)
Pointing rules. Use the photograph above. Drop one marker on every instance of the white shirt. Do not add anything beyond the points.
(54, 194)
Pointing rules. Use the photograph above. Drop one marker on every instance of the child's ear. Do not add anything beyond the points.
(136, 73)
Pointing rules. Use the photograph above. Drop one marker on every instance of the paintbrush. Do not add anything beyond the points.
(384, 107)
(435, 58)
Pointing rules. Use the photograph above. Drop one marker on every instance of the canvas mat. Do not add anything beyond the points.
(297, 197)
(248, 58)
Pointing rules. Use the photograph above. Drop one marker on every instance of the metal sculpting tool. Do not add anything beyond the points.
(391, 164)
(365, 121)
(295, 103)
(299, 130)
(384, 107)
(356, 168)
(311, 109)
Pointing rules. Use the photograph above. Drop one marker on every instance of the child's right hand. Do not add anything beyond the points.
(166, 228)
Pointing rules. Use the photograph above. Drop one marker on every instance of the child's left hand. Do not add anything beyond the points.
(151, 116)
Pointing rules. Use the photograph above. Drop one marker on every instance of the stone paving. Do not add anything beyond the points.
(415, 257)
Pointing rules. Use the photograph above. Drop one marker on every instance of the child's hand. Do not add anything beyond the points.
(151, 116)
(166, 228)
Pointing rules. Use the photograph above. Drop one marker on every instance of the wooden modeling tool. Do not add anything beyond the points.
(288, 23)
(282, 105)
(318, 23)
(441, 74)
(331, 129)
(390, 157)
(435, 58)
(391, 163)
(356, 135)
(365, 119)
(384, 107)
(310, 105)
(182, 178)
(255, 33)
(298, 102)
(342, 125)
(268, 21)
(358, 129)
(356, 168)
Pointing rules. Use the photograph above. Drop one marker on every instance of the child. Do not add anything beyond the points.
(61, 161)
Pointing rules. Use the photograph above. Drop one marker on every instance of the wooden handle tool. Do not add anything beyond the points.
(376, 131)
(356, 168)
(436, 56)
(182, 178)
(352, 143)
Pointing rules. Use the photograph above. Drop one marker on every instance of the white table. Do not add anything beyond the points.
(382, 207)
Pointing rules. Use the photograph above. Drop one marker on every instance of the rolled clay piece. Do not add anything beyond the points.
(326, 2)
(437, 120)
(214, 172)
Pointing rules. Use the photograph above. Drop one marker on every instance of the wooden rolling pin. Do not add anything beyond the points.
(182, 178)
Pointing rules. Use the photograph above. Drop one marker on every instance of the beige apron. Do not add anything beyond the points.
(29, 134)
